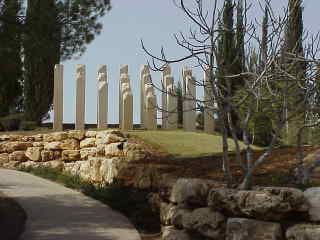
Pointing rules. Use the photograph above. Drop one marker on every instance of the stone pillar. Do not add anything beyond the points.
(80, 96)
(150, 116)
(124, 76)
(189, 106)
(209, 122)
(102, 101)
(186, 88)
(165, 83)
(127, 104)
(58, 98)
(172, 108)
(144, 71)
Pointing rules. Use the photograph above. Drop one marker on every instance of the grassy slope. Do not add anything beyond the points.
(185, 144)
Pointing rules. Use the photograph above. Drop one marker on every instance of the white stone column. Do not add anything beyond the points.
(209, 122)
(165, 83)
(124, 71)
(172, 122)
(150, 115)
(186, 72)
(144, 71)
(127, 104)
(58, 98)
(189, 106)
(102, 101)
(80, 96)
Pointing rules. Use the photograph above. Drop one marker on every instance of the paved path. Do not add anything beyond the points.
(58, 213)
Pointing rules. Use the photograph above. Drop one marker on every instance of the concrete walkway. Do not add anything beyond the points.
(58, 213)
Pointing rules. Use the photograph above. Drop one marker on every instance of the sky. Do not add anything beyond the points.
(124, 26)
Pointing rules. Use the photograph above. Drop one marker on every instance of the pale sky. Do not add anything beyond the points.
(129, 21)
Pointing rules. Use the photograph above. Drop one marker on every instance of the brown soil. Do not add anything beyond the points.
(12, 218)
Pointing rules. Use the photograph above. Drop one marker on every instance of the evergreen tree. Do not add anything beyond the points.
(55, 30)
(180, 103)
(10, 55)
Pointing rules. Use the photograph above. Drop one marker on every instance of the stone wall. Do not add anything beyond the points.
(193, 209)
(98, 156)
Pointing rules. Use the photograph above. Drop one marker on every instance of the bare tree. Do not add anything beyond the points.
(268, 89)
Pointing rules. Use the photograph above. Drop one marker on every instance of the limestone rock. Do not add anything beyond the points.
(54, 137)
(110, 138)
(170, 233)
(167, 211)
(100, 149)
(28, 138)
(77, 134)
(312, 196)
(85, 153)
(109, 170)
(4, 138)
(53, 146)
(206, 222)
(38, 138)
(303, 232)
(270, 203)
(104, 134)
(70, 144)
(177, 217)
(130, 152)
(10, 147)
(70, 155)
(28, 164)
(55, 164)
(47, 155)
(90, 134)
(90, 170)
(88, 142)
(12, 164)
(39, 144)
(34, 153)
(18, 156)
(16, 138)
(114, 150)
(190, 193)
(244, 229)
(73, 168)
(4, 158)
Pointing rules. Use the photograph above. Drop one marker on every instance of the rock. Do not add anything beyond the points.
(308, 161)
(110, 138)
(167, 211)
(54, 137)
(27, 138)
(53, 146)
(55, 164)
(244, 229)
(12, 164)
(70, 155)
(16, 138)
(10, 147)
(271, 203)
(38, 138)
(206, 222)
(85, 153)
(34, 153)
(312, 196)
(190, 193)
(114, 150)
(130, 152)
(73, 168)
(100, 149)
(4, 158)
(109, 170)
(170, 233)
(18, 156)
(39, 144)
(177, 217)
(104, 134)
(76, 134)
(70, 144)
(90, 170)
(29, 164)
(303, 232)
(90, 134)
(88, 142)
(47, 155)
(4, 138)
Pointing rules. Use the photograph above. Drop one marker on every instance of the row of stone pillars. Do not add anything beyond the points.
(148, 103)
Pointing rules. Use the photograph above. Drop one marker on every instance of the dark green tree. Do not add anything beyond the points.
(10, 55)
(180, 103)
(55, 30)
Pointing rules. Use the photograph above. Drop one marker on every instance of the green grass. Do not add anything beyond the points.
(131, 202)
(183, 144)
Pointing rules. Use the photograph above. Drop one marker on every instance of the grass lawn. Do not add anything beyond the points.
(185, 144)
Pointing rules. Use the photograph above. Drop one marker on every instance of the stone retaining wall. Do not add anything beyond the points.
(193, 209)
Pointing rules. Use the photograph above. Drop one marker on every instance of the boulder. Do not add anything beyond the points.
(270, 203)
(54, 137)
(170, 233)
(18, 156)
(167, 211)
(85, 153)
(70, 155)
(109, 170)
(190, 193)
(4, 138)
(47, 155)
(34, 153)
(4, 158)
(15, 138)
(130, 152)
(104, 134)
(73, 168)
(38, 138)
(100, 149)
(76, 134)
(88, 142)
(244, 229)
(28, 138)
(70, 144)
(12, 164)
(39, 144)
(10, 147)
(303, 232)
(110, 138)
(90, 170)
(28, 164)
(55, 164)
(312, 196)
(206, 222)
(52, 146)
(90, 134)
